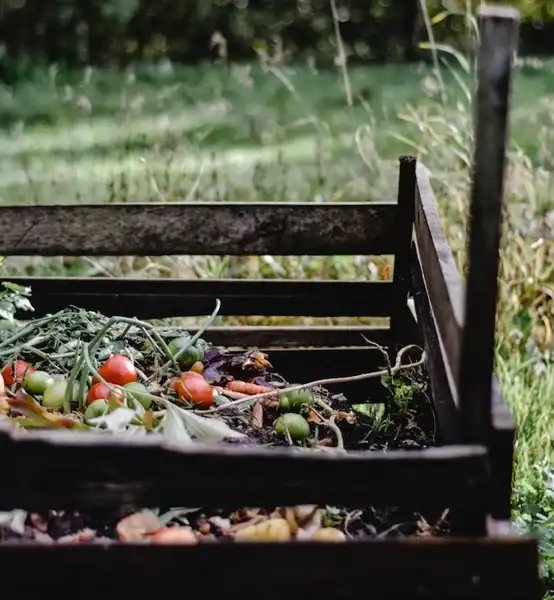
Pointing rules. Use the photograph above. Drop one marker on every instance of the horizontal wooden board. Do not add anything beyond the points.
(442, 279)
(442, 387)
(65, 469)
(217, 228)
(423, 569)
(296, 336)
(157, 298)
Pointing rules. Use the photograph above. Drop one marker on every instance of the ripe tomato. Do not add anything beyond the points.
(195, 389)
(98, 391)
(21, 367)
(118, 369)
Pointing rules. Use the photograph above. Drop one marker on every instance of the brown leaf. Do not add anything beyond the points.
(314, 417)
(257, 417)
(137, 526)
(26, 405)
(348, 417)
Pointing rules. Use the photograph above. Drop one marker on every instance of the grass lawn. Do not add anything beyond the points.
(241, 133)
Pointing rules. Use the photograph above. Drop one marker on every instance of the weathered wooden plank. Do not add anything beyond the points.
(499, 32)
(501, 448)
(426, 569)
(442, 279)
(301, 365)
(296, 336)
(69, 469)
(402, 275)
(157, 298)
(442, 386)
(218, 228)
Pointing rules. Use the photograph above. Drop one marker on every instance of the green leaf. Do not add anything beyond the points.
(440, 17)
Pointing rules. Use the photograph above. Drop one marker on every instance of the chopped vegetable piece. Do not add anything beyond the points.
(21, 368)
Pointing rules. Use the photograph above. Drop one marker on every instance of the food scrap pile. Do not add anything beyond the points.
(81, 370)
(188, 526)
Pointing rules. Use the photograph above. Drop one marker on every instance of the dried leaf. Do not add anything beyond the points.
(14, 520)
(257, 417)
(204, 429)
(137, 526)
(174, 430)
(27, 406)
(117, 420)
(314, 417)
(348, 417)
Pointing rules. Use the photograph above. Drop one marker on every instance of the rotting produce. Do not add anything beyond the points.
(80, 370)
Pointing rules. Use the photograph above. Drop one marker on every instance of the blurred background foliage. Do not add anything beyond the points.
(117, 32)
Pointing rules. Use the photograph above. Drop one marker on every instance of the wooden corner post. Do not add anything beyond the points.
(402, 260)
(498, 40)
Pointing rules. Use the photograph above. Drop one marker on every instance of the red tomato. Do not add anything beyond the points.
(195, 389)
(118, 369)
(98, 391)
(21, 367)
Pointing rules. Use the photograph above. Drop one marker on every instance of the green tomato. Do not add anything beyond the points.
(189, 356)
(95, 409)
(296, 425)
(54, 395)
(296, 401)
(36, 382)
(138, 392)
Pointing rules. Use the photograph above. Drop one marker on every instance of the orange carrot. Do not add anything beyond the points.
(248, 388)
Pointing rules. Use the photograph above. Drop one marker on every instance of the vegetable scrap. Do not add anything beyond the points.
(79, 369)
(191, 526)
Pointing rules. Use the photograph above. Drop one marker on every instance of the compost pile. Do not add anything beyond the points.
(81, 370)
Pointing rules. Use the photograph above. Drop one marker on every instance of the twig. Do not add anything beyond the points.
(398, 366)
(332, 425)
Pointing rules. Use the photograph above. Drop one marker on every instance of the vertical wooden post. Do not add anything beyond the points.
(402, 271)
(499, 30)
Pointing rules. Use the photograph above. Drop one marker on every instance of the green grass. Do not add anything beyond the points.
(243, 133)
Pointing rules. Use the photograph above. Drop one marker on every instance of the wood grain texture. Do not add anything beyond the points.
(442, 386)
(330, 336)
(75, 469)
(442, 279)
(420, 569)
(156, 298)
(498, 34)
(218, 228)
(402, 275)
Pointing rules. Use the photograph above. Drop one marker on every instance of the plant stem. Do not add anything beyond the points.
(398, 366)
(342, 54)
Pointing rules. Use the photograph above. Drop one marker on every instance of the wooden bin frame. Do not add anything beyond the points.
(470, 472)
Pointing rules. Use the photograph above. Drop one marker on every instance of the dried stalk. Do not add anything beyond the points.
(398, 366)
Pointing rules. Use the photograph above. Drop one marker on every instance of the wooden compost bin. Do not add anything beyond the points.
(469, 472)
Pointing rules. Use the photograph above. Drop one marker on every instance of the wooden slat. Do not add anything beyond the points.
(402, 275)
(427, 569)
(299, 365)
(501, 448)
(442, 389)
(218, 228)
(76, 469)
(295, 336)
(442, 280)
(156, 298)
(498, 35)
